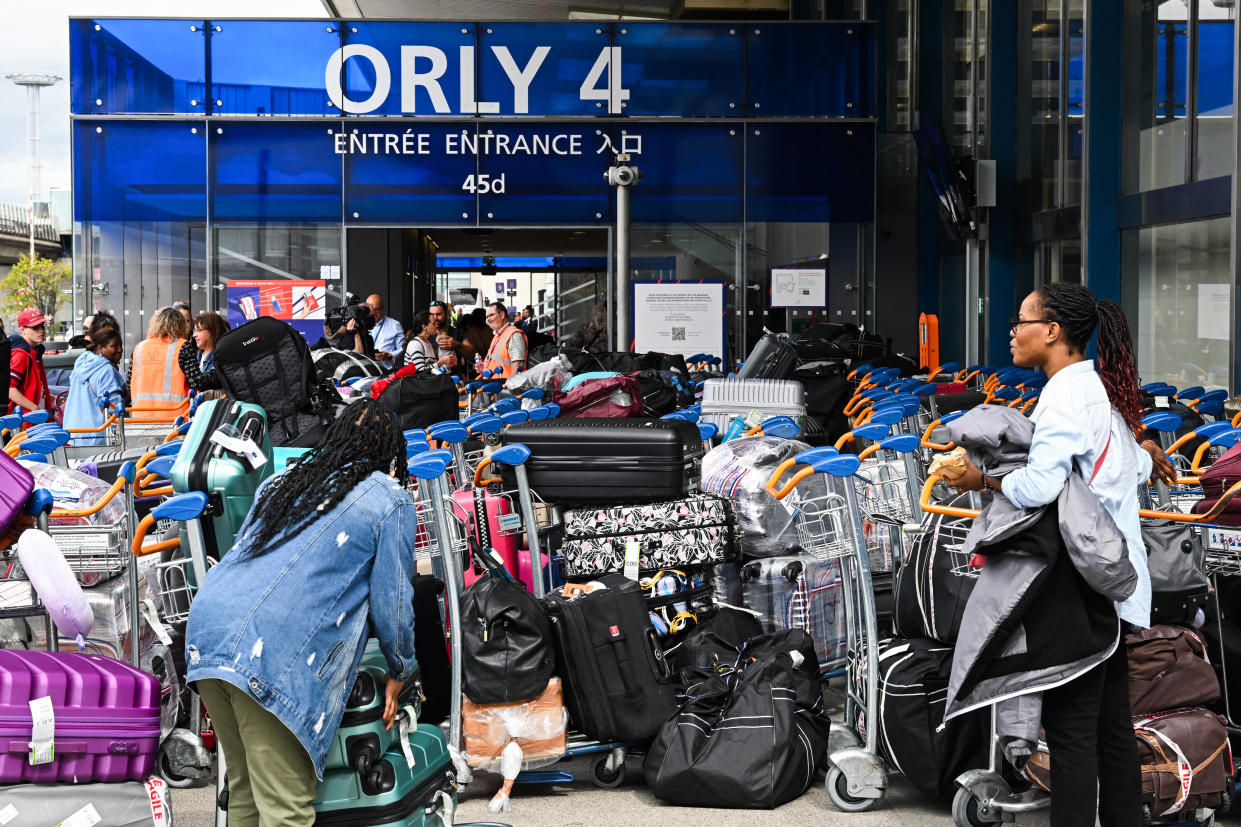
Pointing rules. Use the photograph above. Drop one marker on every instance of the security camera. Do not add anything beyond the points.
(623, 176)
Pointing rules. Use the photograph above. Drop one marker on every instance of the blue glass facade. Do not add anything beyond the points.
(206, 128)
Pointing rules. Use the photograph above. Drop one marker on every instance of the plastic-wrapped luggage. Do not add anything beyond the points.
(339, 365)
(94, 719)
(538, 726)
(581, 461)
(73, 490)
(124, 804)
(698, 530)
(739, 470)
(800, 592)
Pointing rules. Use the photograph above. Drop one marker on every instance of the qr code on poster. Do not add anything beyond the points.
(678, 334)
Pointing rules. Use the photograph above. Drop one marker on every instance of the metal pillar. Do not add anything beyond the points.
(622, 176)
(34, 82)
(1234, 260)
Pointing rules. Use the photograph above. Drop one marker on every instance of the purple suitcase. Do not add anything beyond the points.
(16, 483)
(107, 718)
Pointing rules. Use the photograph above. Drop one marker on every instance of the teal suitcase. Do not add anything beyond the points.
(361, 739)
(225, 477)
(392, 793)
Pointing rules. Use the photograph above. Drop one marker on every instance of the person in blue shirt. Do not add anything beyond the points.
(95, 380)
(1086, 421)
(388, 333)
(277, 630)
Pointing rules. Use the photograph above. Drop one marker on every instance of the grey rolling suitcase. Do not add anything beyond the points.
(725, 399)
(771, 358)
(124, 804)
(800, 592)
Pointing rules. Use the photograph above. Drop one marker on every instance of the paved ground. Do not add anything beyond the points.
(580, 803)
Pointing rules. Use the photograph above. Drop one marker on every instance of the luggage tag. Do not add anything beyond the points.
(631, 559)
(7, 814)
(408, 723)
(42, 750)
(230, 439)
(152, 617)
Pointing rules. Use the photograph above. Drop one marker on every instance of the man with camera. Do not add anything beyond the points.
(348, 327)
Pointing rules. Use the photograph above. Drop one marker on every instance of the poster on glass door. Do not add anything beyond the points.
(301, 303)
(685, 317)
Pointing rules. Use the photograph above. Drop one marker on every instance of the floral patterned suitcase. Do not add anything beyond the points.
(699, 530)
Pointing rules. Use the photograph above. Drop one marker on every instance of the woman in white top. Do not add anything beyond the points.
(1086, 421)
(420, 348)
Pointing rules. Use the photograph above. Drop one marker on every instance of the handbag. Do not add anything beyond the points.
(1178, 576)
(505, 637)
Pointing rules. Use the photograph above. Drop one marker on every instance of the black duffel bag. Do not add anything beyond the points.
(421, 399)
(506, 638)
(749, 737)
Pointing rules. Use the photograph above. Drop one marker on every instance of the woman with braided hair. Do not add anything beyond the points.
(277, 629)
(1087, 421)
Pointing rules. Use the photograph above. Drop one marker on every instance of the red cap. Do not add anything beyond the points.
(30, 317)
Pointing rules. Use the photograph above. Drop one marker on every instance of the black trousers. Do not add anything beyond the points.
(1090, 736)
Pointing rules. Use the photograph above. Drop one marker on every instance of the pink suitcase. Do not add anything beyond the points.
(504, 529)
(106, 718)
(16, 483)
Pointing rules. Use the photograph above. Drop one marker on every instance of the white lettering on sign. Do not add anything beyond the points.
(422, 67)
(465, 142)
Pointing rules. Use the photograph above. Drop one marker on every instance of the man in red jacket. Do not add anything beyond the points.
(28, 389)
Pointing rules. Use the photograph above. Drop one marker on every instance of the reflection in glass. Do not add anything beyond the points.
(272, 67)
(137, 67)
(1184, 291)
(274, 251)
(1215, 67)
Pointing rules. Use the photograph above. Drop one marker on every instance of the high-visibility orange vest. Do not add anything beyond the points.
(498, 355)
(156, 380)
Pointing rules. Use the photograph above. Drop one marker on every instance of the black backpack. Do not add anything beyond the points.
(658, 397)
(932, 586)
(266, 362)
(421, 399)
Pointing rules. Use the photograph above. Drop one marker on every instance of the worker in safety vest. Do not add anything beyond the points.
(508, 347)
(156, 379)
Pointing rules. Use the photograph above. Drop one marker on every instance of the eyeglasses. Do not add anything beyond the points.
(1013, 324)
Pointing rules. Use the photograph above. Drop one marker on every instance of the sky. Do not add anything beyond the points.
(35, 38)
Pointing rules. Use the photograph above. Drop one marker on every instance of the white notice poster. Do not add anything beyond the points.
(682, 317)
(798, 287)
(1214, 305)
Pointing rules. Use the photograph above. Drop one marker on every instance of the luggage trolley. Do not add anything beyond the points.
(830, 527)
(608, 768)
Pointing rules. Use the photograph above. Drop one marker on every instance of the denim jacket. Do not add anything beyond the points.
(289, 626)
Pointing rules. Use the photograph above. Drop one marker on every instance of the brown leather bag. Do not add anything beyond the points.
(1168, 670)
(1184, 757)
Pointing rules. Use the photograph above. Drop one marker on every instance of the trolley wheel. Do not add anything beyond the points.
(1225, 802)
(838, 792)
(604, 779)
(174, 780)
(965, 810)
(1146, 815)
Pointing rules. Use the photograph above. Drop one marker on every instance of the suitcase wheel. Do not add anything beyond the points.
(381, 779)
(792, 572)
(363, 692)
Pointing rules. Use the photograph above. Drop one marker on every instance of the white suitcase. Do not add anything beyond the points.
(725, 399)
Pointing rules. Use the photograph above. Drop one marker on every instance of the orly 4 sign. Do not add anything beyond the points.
(423, 67)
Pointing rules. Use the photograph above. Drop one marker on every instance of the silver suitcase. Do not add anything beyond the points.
(725, 399)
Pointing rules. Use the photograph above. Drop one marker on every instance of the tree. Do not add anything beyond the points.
(40, 284)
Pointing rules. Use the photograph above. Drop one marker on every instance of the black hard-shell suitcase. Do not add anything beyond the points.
(617, 683)
(913, 687)
(609, 460)
(771, 358)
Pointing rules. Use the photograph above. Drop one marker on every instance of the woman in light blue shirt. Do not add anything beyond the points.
(1086, 420)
